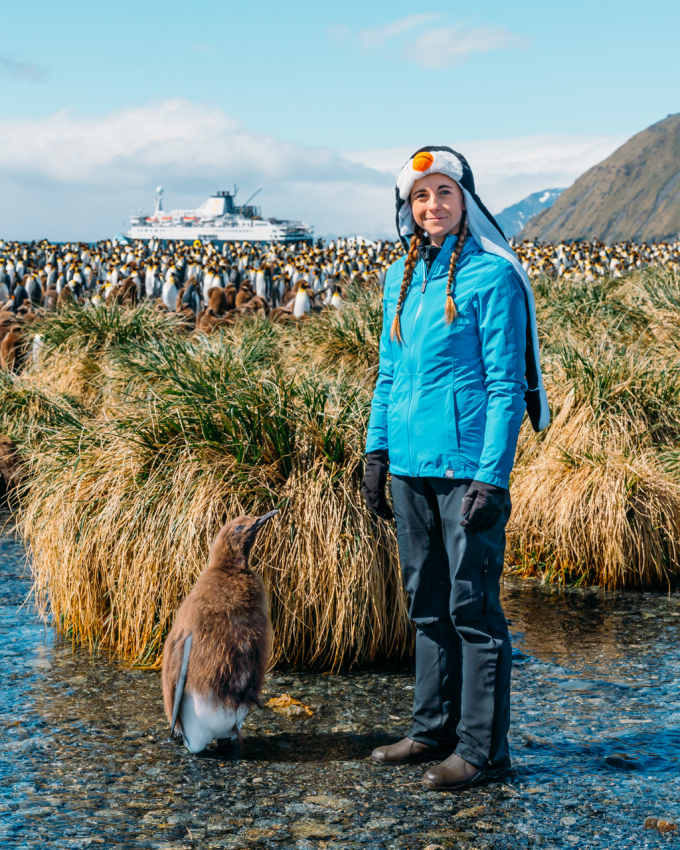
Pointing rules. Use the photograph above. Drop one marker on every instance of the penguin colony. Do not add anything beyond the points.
(207, 285)
(590, 260)
(215, 657)
(210, 286)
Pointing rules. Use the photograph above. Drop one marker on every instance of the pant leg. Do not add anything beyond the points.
(425, 567)
(476, 563)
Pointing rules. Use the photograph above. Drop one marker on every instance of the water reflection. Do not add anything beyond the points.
(85, 761)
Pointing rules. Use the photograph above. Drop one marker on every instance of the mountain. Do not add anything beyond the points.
(513, 218)
(634, 194)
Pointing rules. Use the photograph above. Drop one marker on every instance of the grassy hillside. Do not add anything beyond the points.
(140, 440)
(634, 194)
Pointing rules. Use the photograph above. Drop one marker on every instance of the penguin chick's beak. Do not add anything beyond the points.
(264, 519)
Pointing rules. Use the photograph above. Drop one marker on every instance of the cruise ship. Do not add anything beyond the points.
(219, 220)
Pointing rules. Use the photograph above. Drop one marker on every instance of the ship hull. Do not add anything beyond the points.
(247, 231)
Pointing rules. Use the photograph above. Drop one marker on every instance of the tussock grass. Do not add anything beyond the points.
(133, 467)
(193, 431)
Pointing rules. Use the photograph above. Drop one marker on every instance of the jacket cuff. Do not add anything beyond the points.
(493, 478)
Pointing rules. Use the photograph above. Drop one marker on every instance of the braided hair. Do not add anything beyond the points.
(409, 267)
(450, 312)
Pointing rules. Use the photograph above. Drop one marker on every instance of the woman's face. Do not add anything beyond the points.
(437, 203)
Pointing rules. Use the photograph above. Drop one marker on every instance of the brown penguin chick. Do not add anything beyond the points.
(27, 315)
(11, 348)
(127, 292)
(64, 299)
(230, 296)
(208, 321)
(244, 295)
(9, 465)
(180, 295)
(188, 318)
(281, 315)
(289, 294)
(259, 305)
(51, 298)
(215, 657)
(217, 300)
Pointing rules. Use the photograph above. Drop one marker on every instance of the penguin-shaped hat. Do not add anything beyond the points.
(435, 159)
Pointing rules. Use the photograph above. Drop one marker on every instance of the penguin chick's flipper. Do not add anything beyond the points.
(181, 682)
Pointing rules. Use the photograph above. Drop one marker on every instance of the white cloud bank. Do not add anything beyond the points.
(74, 177)
(507, 170)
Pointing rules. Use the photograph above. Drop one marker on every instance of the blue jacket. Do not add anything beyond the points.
(449, 400)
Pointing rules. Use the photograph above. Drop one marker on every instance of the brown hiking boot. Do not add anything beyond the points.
(455, 773)
(408, 751)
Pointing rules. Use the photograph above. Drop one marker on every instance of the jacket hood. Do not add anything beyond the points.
(440, 159)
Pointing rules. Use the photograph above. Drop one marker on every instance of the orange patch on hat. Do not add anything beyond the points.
(422, 161)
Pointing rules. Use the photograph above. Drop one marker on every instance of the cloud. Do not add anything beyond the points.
(21, 70)
(507, 170)
(375, 37)
(79, 177)
(200, 47)
(444, 47)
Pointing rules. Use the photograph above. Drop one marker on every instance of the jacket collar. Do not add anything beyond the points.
(444, 256)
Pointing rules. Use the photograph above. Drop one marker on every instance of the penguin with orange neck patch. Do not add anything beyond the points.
(216, 655)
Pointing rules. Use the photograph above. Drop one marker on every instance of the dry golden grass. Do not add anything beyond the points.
(141, 441)
(120, 510)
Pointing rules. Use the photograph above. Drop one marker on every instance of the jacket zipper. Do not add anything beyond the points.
(410, 401)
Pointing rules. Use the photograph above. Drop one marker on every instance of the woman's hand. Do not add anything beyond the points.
(482, 506)
(373, 485)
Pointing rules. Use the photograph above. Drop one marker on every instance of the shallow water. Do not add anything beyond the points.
(595, 742)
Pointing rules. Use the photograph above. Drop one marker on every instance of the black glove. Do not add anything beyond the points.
(482, 506)
(373, 485)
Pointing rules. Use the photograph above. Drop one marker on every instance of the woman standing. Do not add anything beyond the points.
(458, 367)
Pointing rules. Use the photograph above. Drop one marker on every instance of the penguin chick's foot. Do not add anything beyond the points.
(205, 719)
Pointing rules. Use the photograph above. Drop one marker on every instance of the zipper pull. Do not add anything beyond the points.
(422, 288)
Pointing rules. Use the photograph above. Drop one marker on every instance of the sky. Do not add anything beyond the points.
(318, 105)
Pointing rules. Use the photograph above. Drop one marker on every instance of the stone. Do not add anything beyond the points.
(470, 813)
(380, 823)
(338, 804)
(662, 824)
(314, 829)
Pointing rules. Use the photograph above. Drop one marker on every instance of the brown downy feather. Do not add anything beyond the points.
(289, 293)
(226, 613)
(230, 296)
(244, 294)
(65, 298)
(217, 300)
(127, 293)
(11, 349)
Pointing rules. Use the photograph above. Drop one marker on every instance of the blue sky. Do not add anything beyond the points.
(149, 92)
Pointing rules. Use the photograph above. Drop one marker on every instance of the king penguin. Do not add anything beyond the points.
(215, 657)
(169, 293)
(302, 303)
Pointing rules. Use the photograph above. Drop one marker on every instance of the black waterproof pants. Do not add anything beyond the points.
(463, 654)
